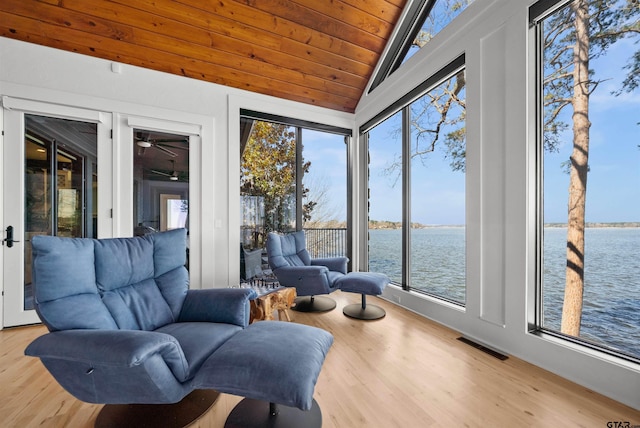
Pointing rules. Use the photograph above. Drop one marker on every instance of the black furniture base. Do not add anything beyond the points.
(251, 413)
(175, 415)
(364, 311)
(314, 304)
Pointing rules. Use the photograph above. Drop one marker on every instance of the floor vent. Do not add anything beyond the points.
(483, 348)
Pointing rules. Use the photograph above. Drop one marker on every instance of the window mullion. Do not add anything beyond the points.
(538, 309)
(406, 197)
(299, 173)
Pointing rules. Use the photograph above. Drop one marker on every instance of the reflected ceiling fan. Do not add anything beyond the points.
(173, 175)
(143, 141)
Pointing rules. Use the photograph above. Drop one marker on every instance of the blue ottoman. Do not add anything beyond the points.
(364, 283)
(275, 365)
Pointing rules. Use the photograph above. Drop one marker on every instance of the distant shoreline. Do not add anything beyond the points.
(393, 225)
(631, 224)
(373, 225)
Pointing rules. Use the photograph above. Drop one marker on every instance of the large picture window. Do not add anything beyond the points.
(437, 154)
(385, 199)
(417, 195)
(293, 176)
(424, 20)
(589, 151)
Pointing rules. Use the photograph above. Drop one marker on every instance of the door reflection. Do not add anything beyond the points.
(61, 185)
(160, 177)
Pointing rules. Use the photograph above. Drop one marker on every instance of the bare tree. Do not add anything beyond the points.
(325, 210)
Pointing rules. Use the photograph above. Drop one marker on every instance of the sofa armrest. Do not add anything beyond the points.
(222, 305)
(113, 348)
(337, 264)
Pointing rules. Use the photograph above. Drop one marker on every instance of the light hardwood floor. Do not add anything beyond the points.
(401, 371)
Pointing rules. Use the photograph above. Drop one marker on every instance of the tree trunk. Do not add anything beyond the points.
(574, 287)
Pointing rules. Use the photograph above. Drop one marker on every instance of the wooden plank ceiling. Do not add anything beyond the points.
(319, 52)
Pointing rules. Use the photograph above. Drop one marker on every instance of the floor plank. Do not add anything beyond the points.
(400, 371)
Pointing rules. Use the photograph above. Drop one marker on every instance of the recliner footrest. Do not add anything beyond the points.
(371, 283)
(271, 361)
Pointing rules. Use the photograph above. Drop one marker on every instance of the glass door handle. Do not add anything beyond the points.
(9, 239)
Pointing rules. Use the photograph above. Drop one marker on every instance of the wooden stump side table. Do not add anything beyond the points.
(270, 300)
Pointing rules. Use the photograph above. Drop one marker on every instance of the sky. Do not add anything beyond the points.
(439, 194)
(327, 174)
(613, 181)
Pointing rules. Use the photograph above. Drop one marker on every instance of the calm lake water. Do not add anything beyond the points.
(611, 309)
(437, 263)
(611, 301)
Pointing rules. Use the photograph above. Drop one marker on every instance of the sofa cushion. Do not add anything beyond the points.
(123, 261)
(127, 283)
(169, 250)
(199, 340)
(372, 283)
(174, 286)
(138, 306)
(79, 311)
(272, 361)
(125, 266)
(68, 263)
(287, 250)
(334, 277)
(65, 291)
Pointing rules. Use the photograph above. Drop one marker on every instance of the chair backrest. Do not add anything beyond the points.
(287, 250)
(135, 283)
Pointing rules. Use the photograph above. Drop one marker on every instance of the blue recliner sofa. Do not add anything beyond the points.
(124, 327)
(293, 266)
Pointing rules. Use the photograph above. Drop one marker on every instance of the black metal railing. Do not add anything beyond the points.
(323, 242)
(330, 242)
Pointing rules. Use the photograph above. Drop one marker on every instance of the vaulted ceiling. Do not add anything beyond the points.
(319, 52)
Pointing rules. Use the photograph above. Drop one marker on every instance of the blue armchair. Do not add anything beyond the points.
(124, 328)
(293, 266)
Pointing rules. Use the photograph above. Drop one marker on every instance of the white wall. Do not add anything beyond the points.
(495, 36)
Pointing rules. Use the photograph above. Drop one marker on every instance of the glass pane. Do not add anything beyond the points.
(267, 182)
(177, 213)
(442, 13)
(38, 185)
(63, 203)
(385, 198)
(324, 202)
(438, 148)
(160, 181)
(70, 180)
(591, 249)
